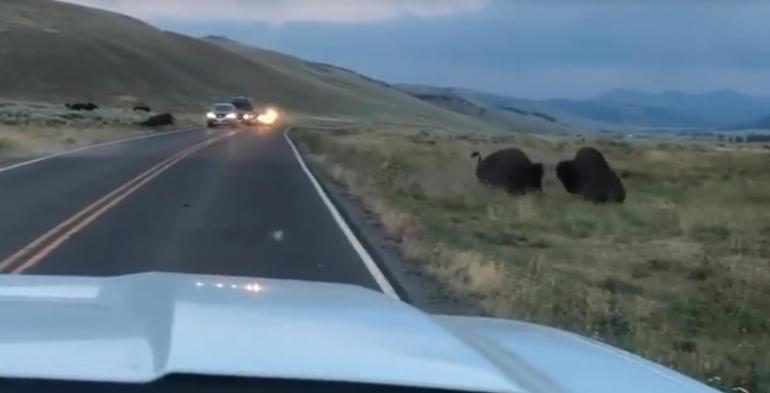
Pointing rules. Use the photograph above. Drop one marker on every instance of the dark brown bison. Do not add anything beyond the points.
(509, 169)
(142, 108)
(589, 175)
(165, 119)
(81, 106)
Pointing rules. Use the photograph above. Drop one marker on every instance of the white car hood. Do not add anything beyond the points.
(139, 328)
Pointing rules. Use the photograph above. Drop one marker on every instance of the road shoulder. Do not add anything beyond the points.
(409, 281)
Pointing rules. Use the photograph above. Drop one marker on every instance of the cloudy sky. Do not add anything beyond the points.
(528, 48)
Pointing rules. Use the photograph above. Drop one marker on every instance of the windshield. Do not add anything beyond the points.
(597, 167)
(243, 105)
(224, 108)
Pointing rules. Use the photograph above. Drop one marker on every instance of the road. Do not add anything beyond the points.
(230, 202)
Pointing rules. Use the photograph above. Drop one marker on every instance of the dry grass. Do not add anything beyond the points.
(35, 128)
(17, 143)
(680, 273)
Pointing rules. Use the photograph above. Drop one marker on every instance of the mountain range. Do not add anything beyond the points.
(624, 108)
(118, 60)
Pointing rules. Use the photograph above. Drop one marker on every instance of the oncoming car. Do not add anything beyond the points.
(222, 114)
(245, 110)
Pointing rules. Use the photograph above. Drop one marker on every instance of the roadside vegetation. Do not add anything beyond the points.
(34, 128)
(680, 273)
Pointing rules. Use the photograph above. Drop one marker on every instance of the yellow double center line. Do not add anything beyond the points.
(34, 252)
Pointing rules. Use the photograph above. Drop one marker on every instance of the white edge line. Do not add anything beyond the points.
(374, 270)
(84, 148)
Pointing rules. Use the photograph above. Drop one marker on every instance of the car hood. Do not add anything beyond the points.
(141, 327)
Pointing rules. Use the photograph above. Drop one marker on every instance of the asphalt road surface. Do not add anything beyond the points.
(230, 202)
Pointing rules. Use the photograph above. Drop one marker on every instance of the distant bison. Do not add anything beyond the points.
(510, 169)
(590, 176)
(81, 106)
(165, 119)
(142, 108)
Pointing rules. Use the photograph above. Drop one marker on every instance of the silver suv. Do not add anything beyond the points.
(222, 114)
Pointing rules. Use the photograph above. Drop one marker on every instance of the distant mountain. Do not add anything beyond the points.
(626, 108)
(715, 108)
(762, 123)
(498, 111)
(574, 113)
(625, 114)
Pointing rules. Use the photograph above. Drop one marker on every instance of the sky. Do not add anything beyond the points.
(524, 48)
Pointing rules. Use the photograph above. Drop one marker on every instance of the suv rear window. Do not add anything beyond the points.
(243, 104)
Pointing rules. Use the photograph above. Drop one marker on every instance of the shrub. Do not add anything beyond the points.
(617, 286)
(710, 233)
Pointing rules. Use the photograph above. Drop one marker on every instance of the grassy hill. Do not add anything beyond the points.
(339, 90)
(55, 52)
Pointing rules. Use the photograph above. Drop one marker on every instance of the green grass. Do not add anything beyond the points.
(678, 273)
(39, 114)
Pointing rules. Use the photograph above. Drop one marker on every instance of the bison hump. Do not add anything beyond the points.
(590, 159)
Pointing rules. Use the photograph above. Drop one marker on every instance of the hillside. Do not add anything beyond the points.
(551, 115)
(508, 116)
(624, 108)
(351, 92)
(623, 114)
(58, 52)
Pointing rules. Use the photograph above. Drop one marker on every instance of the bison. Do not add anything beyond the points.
(80, 106)
(165, 119)
(142, 108)
(589, 175)
(509, 169)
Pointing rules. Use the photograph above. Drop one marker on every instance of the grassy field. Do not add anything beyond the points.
(35, 128)
(680, 273)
